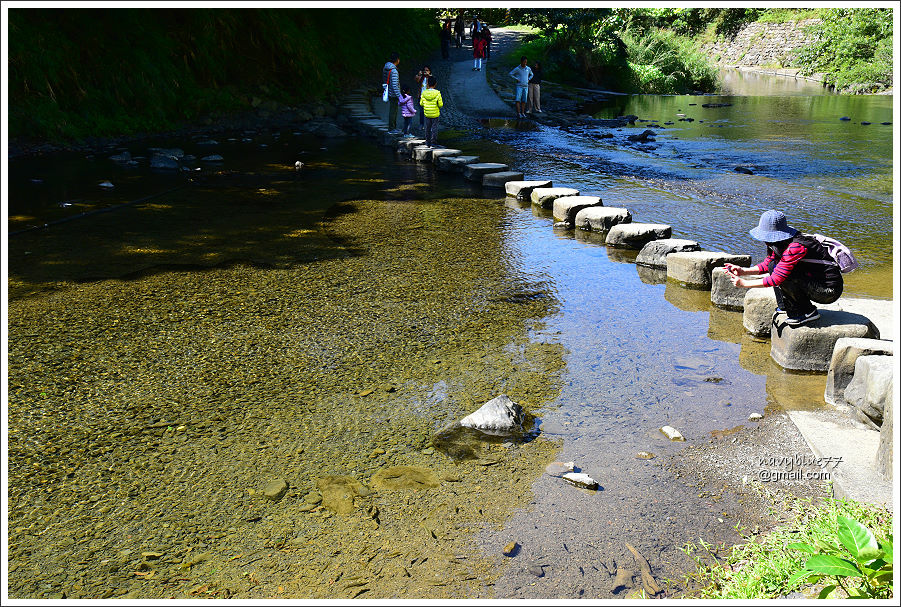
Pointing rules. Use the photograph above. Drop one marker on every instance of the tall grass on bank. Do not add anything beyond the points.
(75, 73)
(655, 61)
(762, 568)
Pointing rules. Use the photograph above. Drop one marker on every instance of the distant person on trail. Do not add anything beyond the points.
(478, 51)
(797, 266)
(422, 83)
(486, 33)
(390, 76)
(522, 73)
(459, 30)
(407, 110)
(446, 40)
(535, 90)
(431, 103)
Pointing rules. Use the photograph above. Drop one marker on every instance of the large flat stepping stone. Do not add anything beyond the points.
(841, 368)
(545, 197)
(500, 179)
(726, 295)
(654, 253)
(759, 306)
(455, 164)
(410, 144)
(601, 219)
(870, 391)
(422, 153)
(522, 190)
(809, 347)
(441, 152)
(566, 207)
(636, 235)
(695, 268)
(476, 170)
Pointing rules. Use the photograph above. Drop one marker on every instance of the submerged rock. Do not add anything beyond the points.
(413, 478)
(580, 479)
(338, 493)
(672, 434)
(275, 489)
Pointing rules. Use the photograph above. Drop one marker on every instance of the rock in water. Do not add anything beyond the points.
(511, 549)
(499, 413)
(580, 479)
(560, 468)
(275, 489)
(671, 433)
(106, 184)
(755, 417)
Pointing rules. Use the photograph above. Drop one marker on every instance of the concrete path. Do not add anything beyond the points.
(468, 91)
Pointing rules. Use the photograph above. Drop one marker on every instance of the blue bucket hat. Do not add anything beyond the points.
(773, 227)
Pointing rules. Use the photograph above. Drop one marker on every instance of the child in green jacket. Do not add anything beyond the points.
(431, 103)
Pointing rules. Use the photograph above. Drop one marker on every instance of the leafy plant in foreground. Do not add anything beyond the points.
(867, 574)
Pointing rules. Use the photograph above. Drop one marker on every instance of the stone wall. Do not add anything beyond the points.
(762, 44)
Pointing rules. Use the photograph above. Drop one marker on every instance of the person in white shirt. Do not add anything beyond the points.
(522, 73)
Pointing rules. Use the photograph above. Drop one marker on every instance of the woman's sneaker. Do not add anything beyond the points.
(803, 319)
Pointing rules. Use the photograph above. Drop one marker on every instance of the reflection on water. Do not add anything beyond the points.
(753, 84)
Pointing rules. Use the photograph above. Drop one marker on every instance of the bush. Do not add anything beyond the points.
(853, 46)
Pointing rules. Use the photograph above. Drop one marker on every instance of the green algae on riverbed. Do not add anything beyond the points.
(147, 415)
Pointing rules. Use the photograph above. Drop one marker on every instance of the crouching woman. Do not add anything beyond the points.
(797, 266)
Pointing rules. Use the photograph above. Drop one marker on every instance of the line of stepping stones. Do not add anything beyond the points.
(831, 344)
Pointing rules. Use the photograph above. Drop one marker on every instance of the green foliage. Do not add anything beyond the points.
(93, 72)
(664, 63)
(866, 574)
(773, 565)
(853, 47)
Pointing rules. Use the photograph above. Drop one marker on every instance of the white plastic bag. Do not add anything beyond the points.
(385, 93)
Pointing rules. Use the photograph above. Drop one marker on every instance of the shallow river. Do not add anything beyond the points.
(168, 360)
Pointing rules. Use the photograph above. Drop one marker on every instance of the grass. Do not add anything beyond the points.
(761, 568)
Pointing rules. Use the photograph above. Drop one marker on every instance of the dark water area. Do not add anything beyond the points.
(251, 321)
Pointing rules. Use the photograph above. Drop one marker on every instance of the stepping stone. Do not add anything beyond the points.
(474, 171)
(499, 180)
(871, 388)
(422, 153)
(809, 347)
(726, 295)
(694, 268)
(601, 219)
(410, 144)
(390, 139)
(841, 367)
(455, 164)
(651, 276)
(759, 306)
(636, 235)
(545, 197)
(886, 443)
(566, 207)
(653, 254)
(522, 190)
(439, 152)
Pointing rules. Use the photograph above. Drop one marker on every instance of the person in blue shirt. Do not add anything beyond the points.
(522, 73)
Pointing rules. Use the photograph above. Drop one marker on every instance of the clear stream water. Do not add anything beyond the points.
(448, 293)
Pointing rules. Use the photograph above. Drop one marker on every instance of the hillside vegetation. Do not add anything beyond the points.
(648, 50)
(75, 73)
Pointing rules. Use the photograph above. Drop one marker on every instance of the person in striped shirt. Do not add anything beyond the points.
(797, 266)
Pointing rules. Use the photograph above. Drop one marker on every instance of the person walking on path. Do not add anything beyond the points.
(797, 266)
(522, 73)
(407, 110)
(422, 82)
(431, 103)
(459, 29)
(478, 51)
(535, 90)
(486, 34)
(390, 76)
(445, 40)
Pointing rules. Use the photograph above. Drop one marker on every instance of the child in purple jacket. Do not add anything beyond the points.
(407, 110)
